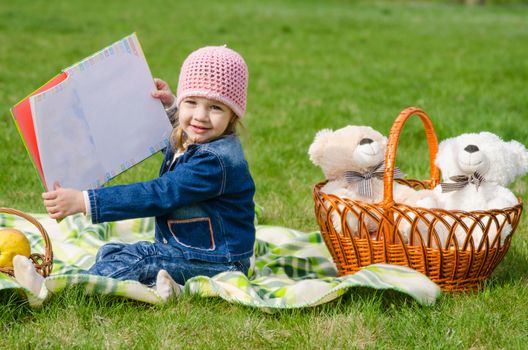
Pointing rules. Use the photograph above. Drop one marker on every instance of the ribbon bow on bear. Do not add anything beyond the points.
(364, 180)
(461, 181)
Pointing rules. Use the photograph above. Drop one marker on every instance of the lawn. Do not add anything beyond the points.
(313, 65)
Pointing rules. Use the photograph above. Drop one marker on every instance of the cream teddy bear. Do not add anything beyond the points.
(352, 160)
(476, 169)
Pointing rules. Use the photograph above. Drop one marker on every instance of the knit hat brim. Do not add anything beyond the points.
(213, 96)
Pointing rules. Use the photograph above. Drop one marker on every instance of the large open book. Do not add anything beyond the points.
(95, 119)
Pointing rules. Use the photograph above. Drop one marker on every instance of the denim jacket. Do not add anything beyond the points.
(203, 202)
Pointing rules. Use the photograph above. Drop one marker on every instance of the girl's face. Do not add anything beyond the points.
(203, 119)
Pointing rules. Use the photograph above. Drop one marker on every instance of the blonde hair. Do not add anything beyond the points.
(178, 138)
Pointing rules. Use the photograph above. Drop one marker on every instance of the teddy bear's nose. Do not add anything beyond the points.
(365, 141)
(471, 148)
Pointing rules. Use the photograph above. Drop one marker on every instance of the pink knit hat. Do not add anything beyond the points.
(215, 72)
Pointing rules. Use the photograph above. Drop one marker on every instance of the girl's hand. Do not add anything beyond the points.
(163, 93)
(62, 202)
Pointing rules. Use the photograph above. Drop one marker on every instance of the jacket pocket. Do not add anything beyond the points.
(194, 233)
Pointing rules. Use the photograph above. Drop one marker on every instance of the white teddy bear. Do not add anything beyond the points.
(476, 169)
(352, 160)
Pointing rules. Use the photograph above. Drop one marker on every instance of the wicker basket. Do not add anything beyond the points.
(458, 250)
(43, 262)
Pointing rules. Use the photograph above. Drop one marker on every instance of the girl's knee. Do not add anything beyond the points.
(108, 250)
(123, 251)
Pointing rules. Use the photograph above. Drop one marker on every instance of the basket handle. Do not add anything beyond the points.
(390, 156)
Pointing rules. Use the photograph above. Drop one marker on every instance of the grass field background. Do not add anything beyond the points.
(313, 65)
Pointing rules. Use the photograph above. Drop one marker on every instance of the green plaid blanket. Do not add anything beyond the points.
(292, 269)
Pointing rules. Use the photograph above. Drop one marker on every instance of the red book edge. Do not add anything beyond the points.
(23, 119)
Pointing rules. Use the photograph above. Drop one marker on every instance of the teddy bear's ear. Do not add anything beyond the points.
(520, 157)
(316, 150)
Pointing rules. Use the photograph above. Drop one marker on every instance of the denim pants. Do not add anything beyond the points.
(142, 261)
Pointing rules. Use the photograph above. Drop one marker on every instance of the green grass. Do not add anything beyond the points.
(313, 65)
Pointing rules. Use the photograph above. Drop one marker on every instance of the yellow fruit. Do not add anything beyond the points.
(12, 242)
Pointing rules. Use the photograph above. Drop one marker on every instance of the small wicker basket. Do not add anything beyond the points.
(442, 244)
(43, 262)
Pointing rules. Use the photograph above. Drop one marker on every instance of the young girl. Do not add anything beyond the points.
(203, 198)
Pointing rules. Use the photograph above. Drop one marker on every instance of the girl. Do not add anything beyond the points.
(203, 198)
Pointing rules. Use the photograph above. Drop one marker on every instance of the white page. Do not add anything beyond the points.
(101, 120)
(67, 151)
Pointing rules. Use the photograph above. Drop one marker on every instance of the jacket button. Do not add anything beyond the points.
(167, 163)
(165, 241)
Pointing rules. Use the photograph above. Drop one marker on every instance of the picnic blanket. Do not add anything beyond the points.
(292, 269)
